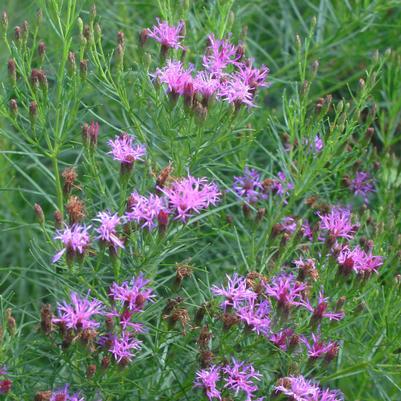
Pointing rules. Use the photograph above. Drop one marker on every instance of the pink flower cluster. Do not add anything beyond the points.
(63, 394)
(125, 150)
(238, 377)
(182, 199)
(225, 74)
(84, 315)
(300, 389)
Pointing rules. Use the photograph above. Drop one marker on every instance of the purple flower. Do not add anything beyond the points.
(121, 347)
(337, 223)
(282, 338)
(253, 77)
(362, 185)
(132, 295)
(206, 85)
(79, 314)
(319, 349)
(320, 310)
(125, 151)
(285, 290)
(240, 377)
(235, 293)
(288, 225)
(3, 370)
(175, 76)
(75, 239)
(145, 210)
(219, 54)
(307, 268)
(236, 91)
(167, 35)
(317, 145)
(191, 195)
(207, 379)
(298, 388)
(249, 186)
(256, 316)
(61, 394)
(282, 186)
(107, 229)
(358, 260)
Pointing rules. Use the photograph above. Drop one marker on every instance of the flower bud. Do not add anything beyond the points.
(42, 50)
(83, 69)
(13, 108)
(4, 21)
(12, 71)
(71, 64)
(90, 371)
(18, 34)
(33, 111)
(58, 219)
(25, 30)
(11, 323)
(39, 213)
(143, 37)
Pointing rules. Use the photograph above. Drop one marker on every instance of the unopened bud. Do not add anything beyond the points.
(143, 37)
(17, 34)
(42, 50)
(39, 213)
(39, 17)
(11, 323)
(362, 83)
(98, 32)
(13, 108)
(83, 69)
(93, 12)
(121, 38)
(33, 111)
(71, 64)
(120, 57)
(90, 371)
(25, 30)
(12, 71)
(4, 21)
(298, 41)
(58, 219)
(80, 26)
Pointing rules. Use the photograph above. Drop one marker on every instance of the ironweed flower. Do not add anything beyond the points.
(237, 92)
(125, 150)
(207, 379)
(362, 185)
(256, 316)
(282, 338)
(191, 195)
(122, 347)
(285, 290)
(108, 229)
(175, 76)
(300, 389)
(132, 295)
(219, 54)
(319, 349)
(145, 211)
(282, 186)
(253, 77)
(80, 313)
(359, 261)
(235, 293)
(207, 85)
(75, 239)
(249, 186)
(168, 36)
(240, 376)
(337, 223)
(320, 310)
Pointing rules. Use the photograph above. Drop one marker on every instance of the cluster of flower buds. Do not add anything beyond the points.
(226, 74)
(107, 331)
(236, 378)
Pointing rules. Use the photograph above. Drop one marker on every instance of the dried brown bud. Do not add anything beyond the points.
(204, 338)
(43, 396)
(105, 362)
(33, 111)
(58, 219)
(75, 209)
(42, 49)
(12, 70)
(69, 177)
(39, 213)
(200, 314)
(46, 316)
(182, 271)
(206, 358)
(143, 37)
(229, 320)
(180, 315)
(164, 176)
(90, 371)
(260, 214)
(13, 108)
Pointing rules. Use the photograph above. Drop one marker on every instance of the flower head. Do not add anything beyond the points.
(320, 310)
(236, 91)
(256, 315)
(80, 313)
(125, 151)
(206, 84)
(319, 349)
(298, 388)
(108, 229)
(5, 386)
(207, 379)
(219, 54)
(146, 210)
(249, 186)
(253, 77)
(168, 36)
(337, 223)
(132, 295)
(175, 76)
(358, 260)
(362, 185)
(122, 347)
(282, 339)
(282, 186)
(75, 240)
(235, 293)
(61, 394)
(191, 195)
(240, 377)
(285, 290)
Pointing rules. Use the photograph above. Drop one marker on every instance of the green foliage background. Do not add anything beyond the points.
(350, 40)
